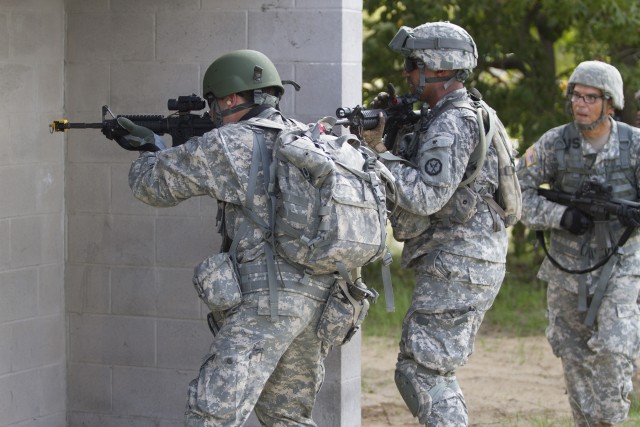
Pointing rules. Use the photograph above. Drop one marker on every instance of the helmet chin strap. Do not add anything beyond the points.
(460, 75)
(259, 98)
(422, 72)
(219, 114)
(594, 124)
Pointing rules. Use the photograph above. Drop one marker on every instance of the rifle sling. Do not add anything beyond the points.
(609, 262)
(623, 239)
(601, 288)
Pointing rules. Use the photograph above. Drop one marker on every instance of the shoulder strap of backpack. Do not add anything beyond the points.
(625, 134)
(568, 135)
(479, 154)
(261, 160)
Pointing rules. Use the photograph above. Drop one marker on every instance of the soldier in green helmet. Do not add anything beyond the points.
(258, 360)
(246, 73)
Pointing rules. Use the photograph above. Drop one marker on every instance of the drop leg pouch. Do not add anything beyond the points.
(341, 317)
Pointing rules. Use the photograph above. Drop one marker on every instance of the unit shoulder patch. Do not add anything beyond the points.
(530, 158)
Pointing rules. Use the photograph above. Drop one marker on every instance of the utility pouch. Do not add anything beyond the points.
(217, 284)
(407, 225)
(343, 314)
(460, 208)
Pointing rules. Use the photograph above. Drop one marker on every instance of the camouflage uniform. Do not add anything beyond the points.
(274, 366)
(457, 251)
(598, 360)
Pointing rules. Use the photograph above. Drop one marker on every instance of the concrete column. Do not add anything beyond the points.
(32, 326)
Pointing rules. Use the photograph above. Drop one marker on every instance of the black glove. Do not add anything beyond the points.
(630, 217)
(384, 100)
(381, 101)
(575, 221)
(373, 137)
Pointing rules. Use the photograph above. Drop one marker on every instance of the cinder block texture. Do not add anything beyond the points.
(32, 248)
(135, 327)
(200, 35)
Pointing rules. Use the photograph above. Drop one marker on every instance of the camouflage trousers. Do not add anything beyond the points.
(451, 298)
(274, 367)
(597, 361)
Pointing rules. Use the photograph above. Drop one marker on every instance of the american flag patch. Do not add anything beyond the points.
(530, 157)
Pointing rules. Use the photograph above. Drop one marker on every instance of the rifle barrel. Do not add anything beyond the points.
(62, 126)
(84, 125)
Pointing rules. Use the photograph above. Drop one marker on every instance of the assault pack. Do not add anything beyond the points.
(327, 199)
(508, 201)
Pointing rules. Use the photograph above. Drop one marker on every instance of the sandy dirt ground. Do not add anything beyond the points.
(507, 382)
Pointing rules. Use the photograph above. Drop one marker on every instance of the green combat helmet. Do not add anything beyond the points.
(241, 71)
(602, 76)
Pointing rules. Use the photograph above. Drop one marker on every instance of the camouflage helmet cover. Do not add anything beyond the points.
(600, 75)
(440, 45)
(240, 71)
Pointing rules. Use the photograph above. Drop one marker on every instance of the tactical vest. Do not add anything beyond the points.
(573, 172)
(460, 208)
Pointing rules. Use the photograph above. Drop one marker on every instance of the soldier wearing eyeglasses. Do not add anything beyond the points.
(598, 354)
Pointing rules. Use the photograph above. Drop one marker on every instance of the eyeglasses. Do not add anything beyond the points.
(588, 99)
(411, 64)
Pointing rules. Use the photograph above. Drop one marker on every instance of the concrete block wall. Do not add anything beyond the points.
(32, 325)
(135, 328)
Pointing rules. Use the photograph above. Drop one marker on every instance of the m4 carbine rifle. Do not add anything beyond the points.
(398, 114)
(595, 200)
(181, 124)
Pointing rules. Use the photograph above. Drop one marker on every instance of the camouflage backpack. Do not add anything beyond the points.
(508, 201)
(327, 197)
(509, 196)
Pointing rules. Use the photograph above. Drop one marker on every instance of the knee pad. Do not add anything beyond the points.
(418, 402)
(445, 388)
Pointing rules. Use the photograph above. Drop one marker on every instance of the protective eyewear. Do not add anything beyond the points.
(411, 64)
(588, 98)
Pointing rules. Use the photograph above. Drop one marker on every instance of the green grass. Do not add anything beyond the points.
(634, 411)
(379, 322)
(519, 309)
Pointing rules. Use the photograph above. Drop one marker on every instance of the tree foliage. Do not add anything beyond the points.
(527, 51)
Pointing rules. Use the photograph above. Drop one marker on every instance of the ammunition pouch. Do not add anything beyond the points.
(460, 208)
(407, 225)
(216, 282)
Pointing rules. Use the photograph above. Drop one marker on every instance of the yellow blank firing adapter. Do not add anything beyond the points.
(59, 126)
